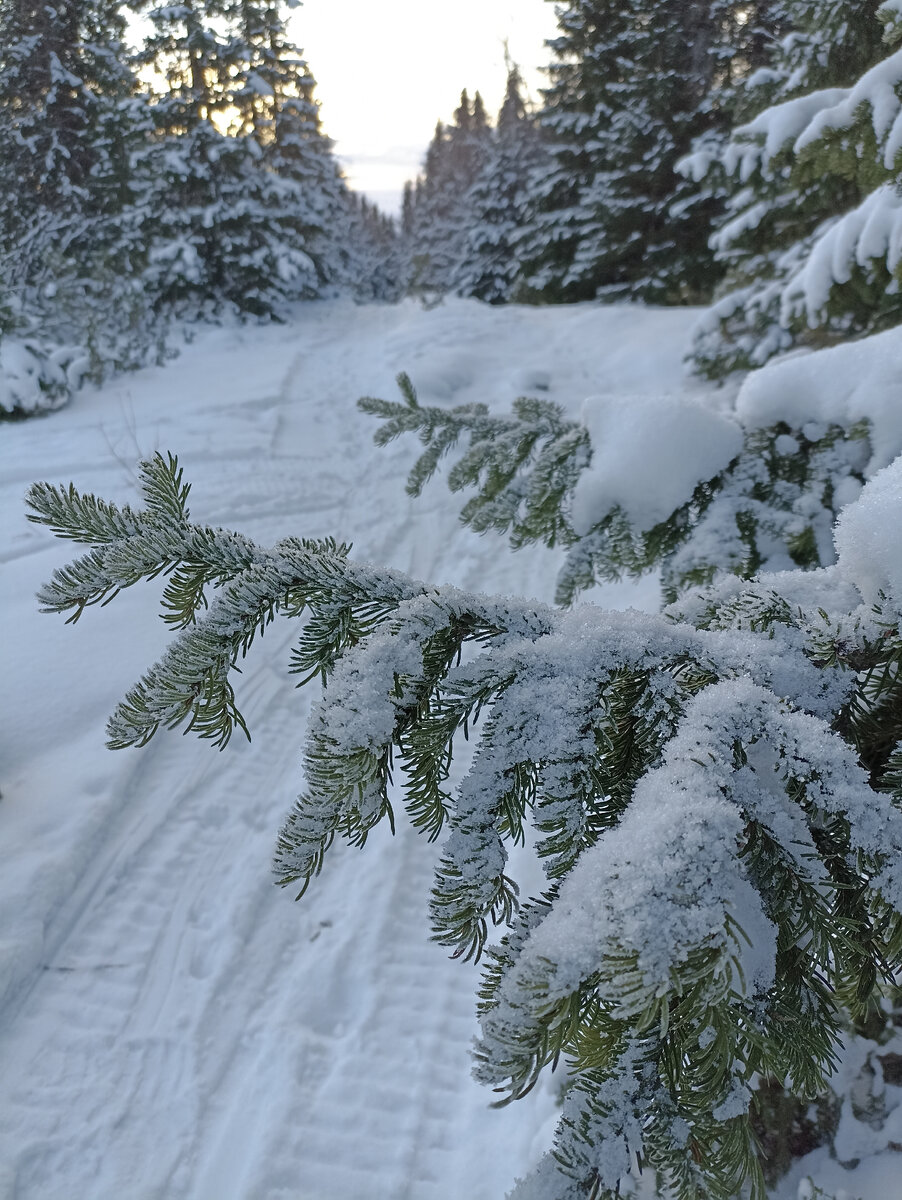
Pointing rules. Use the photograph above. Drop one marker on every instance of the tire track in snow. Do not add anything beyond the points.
(219, 1043)
(123, 991)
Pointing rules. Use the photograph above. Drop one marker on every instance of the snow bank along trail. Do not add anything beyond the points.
(172, 1026)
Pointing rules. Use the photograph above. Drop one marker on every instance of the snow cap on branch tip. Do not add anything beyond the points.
(648, 455)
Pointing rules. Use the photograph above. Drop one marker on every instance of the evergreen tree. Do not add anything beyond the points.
(469, 137)
(652, 227)
(809, 237)
(579, 103)
(423, 213)
(277, 105)
(70, 118)
(498, 201)
(232, 218)
(320, 206)
(626, 101)
(375, 254)
(440, 217)
(407, 208)
(62, 69)
(410, 196)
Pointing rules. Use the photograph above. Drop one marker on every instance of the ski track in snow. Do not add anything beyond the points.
(173, 1026)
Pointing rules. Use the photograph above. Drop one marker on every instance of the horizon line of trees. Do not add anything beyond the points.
(668, 175)
(759, 172)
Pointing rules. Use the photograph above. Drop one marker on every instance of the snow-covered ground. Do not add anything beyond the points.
(172, 1027)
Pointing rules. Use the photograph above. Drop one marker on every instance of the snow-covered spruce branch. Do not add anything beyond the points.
(716, 793)
(191, 681)
(523, 465)
(684, 489)
(812, 233)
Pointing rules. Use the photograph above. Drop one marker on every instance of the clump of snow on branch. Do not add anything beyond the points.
(869, 538)
(799, 123)
(841, 385)
(872, 232)
(648, 455)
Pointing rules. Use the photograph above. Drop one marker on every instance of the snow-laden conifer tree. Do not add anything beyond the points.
(812, 238)
(277, 104)
(69, 117)
(440, 216)
(375, 268)
(498, 201)
(233, 217)
(61, 67)
(631, 88)
(580, 99)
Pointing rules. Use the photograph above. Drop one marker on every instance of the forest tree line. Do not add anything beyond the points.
(160, 182)
(663, 162)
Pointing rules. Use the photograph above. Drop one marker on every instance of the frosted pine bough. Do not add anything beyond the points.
(714, 792)
(665, 481)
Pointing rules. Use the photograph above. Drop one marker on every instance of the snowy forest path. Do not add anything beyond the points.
(173, 1027)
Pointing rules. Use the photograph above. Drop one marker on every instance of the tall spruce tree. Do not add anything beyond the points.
(650, 227)
(498, 200)
(375, 259)
(63, 71)
(276, 104)
(630, 91)
(70, 119)
(582, 96)
(425, 210)
(812, 178)
(440, 217)
(230, 217)
(182, 170)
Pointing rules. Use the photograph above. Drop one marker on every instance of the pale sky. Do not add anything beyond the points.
(387, 70)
